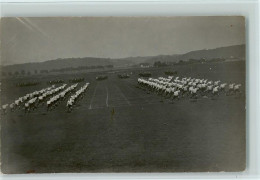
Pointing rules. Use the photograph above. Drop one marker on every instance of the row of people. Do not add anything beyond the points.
(59, 97)
(32, 103)
(23, 99)
(176, 87)
(75, 97)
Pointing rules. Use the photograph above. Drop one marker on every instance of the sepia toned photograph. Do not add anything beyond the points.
(123, 94)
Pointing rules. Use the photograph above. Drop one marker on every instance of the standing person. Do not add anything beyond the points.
(112, 114)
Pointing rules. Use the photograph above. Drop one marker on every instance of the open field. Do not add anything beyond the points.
(142, 135)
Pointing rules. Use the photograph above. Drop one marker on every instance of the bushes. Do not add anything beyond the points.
(55, 81)
(169, 73)
(101, 77)
(145, 74)
(24, 84)
(76, 80)
(123, 76)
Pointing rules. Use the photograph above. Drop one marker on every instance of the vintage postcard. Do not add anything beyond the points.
(123, 94)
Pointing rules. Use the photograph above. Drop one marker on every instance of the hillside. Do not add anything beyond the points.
(58, 64)
(237, 51)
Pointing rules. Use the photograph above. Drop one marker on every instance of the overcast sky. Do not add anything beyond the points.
(40, 39)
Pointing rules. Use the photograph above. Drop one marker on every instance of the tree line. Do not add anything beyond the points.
(44, 71)
(23, 72)
(81, 68)
(190, 61)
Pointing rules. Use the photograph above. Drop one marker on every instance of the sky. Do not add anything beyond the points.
(26, 40)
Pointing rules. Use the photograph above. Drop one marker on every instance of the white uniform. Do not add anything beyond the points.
(231, 86)
(176, 93)
(215, 90)
(236, 87)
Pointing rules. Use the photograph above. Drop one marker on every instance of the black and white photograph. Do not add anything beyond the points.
(123, 94)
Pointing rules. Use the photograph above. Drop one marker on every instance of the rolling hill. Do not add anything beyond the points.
(237, 51)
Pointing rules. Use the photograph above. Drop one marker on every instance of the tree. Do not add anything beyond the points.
(16, 73)
(10, 73)
(28, 73)
(3, 73)
(44, 71)
(35, 72)
(181, 61)
(110, 66)
(22, 72)
(100, 67)
(159, 64)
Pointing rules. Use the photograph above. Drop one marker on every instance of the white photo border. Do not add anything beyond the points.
(249, 9)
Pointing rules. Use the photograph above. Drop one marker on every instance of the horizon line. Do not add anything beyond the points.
(119, 58)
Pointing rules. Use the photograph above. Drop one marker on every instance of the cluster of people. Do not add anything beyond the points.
(123, 76)
(60, 96)
(23, 84)
(23, 99)
(76, 80)
(32, 103)
(101, 77)
(79, 94)
(51, 92)
(145, 74)
(51, 96)
(57, 81)
(177, 87)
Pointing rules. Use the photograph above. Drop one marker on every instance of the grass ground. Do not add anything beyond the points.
(117, 127)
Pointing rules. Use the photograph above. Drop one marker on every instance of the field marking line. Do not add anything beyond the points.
(122, 94)
(141, 96)
(125, 105)
(107, 97)
(90, 107)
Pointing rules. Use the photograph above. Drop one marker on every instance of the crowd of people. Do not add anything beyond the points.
(57, 81)
(24, 84)
(171, 87)
(75, 97)
(52, 96)
(57, 98)
(76, 80)
(176, 87)
(27, 100)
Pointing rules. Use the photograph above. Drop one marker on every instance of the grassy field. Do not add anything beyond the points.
(142, 135)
